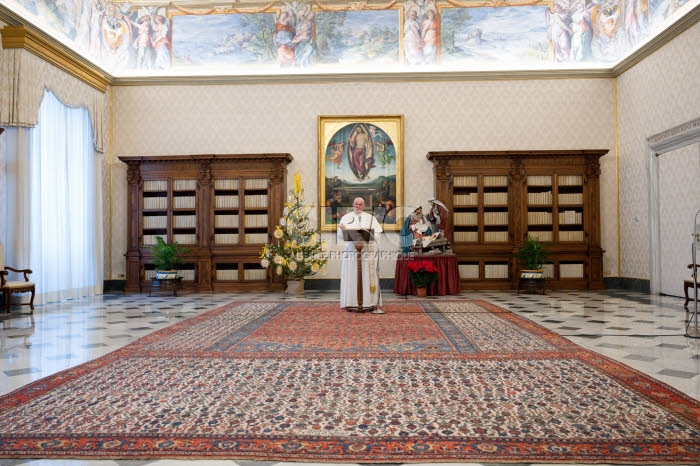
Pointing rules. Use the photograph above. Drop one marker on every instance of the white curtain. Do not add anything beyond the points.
(53, 203)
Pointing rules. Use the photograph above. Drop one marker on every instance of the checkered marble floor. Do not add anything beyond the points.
(643, 331)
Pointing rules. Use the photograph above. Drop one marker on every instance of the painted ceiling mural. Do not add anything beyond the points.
(314, 37)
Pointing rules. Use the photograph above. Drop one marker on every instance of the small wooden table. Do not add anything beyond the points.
(165, 284)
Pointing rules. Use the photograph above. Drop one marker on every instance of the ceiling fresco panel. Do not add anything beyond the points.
(282, 37)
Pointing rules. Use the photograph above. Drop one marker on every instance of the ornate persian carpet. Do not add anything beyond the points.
(451, 381)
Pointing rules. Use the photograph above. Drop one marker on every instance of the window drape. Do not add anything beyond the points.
(53, 202)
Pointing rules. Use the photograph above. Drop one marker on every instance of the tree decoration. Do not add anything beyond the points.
(298, 250)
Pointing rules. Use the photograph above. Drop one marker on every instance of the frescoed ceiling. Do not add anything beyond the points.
(145, 38)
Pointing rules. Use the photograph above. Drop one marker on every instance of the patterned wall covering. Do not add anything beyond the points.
(498, 115)
(653, 96)
(679, 200)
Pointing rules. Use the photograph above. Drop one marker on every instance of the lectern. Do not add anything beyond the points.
(361, 238)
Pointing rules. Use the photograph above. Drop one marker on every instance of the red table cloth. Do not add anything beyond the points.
(448, 275)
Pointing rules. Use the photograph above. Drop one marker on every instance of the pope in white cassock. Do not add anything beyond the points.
(357, 219)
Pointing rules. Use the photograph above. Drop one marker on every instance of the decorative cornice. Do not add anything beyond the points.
(675, 137)
(393, 77)
(20, 37)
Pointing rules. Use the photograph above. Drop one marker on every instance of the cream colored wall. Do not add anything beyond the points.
(495, 115)
(657, 94)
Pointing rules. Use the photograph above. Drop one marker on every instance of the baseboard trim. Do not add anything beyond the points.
(629, 284)
(387, 284)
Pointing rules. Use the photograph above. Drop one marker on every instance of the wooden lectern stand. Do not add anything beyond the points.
(361, 238)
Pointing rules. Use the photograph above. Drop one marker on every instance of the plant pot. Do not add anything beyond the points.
(166, 274)
(421, 292)
(295, 287)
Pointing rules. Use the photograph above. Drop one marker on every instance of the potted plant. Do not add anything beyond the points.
(531, 255)
(298, 250)
(422, 274)
(167, 258)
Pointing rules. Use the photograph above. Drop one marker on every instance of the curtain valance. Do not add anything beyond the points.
(24, 78)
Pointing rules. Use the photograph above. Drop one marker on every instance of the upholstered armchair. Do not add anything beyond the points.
(8, 287)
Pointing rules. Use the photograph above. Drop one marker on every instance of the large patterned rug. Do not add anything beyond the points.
(452, 381)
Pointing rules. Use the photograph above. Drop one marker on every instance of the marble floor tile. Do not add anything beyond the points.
(642, 331)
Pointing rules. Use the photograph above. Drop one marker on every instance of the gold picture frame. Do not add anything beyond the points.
(360, 156)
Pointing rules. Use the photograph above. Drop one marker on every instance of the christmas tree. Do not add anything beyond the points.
(298, 250)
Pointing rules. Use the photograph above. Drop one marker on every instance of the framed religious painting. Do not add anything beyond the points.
(360, 156)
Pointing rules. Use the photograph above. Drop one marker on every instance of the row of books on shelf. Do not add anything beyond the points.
(571, 198)
(539, 180)
(150, 240)
(256, 201)
(185, 238)
(473, 236)
(570, 180)
(226, 201)
(252, 201)
(184, 221)
(543, 198)
(466, 236)
(495, 236)
(464, 181)
(468, 271)
(471, 181)
(570, 217)
(542, 235)
(151, 203)
(500, 271)
(466, 199)
(548, 236)
(571, 236)
(226, 184)
(232, 238)
(248, 274)
(254, 274)
(502, 236)
(150, 186)
(160, 221)
(495, 271)
(495, 181)
(255, 221)
(184, 185)
(256, 183)
(225, 221)
(499, 198)
(227, 274)
(184, 202)
(573, 270)
(226, 238)
(466, 218)
(539, 218)
(182, 238)
(496, 218)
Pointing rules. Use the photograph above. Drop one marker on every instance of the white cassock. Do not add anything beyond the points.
(348, 273)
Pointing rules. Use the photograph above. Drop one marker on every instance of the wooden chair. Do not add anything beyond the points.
(8, 287)
(689, 285)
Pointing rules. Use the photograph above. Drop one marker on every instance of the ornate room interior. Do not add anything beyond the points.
(573, 122)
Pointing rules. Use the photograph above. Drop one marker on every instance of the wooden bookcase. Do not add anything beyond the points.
(222, 207)
(497, 198)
